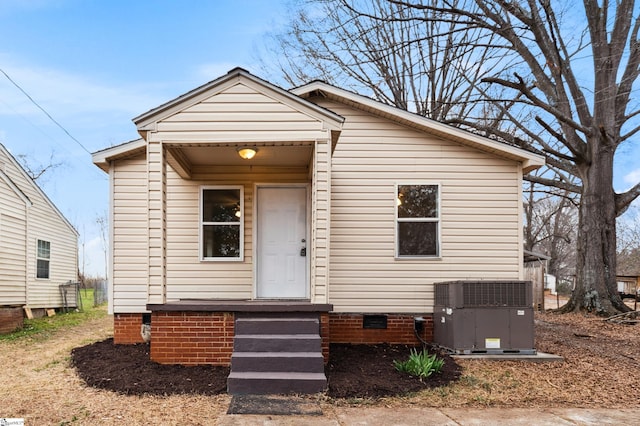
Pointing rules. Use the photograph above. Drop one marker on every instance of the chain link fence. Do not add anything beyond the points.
(100, 292)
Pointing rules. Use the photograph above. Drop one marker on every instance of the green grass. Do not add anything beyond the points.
(40, 328)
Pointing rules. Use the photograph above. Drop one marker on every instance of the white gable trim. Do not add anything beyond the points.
(146, 121)
(38, 189)
(530, 161)
(15, 189)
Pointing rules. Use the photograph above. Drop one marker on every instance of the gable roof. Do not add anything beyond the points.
(298, 98)
(236, 75)
(530, 161)
(29, 179)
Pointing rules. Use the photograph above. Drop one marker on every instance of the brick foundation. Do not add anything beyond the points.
(324, 334)
(11, 319)
(348, 328)
(196, 338)
(126, 329)
(192, 338)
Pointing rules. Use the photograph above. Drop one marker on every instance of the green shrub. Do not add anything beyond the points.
(420, 364)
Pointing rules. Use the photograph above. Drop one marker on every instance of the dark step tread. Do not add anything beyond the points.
(272, 319)
(276, 375)
(279, 336)
(277, 354)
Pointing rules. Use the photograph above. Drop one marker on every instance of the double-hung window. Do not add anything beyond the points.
(221, 218)
(417, 220)
(43, 259)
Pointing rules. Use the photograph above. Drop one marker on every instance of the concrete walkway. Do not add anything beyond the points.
(366, 416)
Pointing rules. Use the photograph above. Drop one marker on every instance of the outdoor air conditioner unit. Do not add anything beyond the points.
(484, 317)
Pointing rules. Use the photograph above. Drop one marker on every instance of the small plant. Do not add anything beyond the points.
(420, 364)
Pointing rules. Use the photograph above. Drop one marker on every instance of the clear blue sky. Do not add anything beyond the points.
(94, 65)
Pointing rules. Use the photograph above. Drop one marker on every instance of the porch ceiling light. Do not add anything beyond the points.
(247, 152)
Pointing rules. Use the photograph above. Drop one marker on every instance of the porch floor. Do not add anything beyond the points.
(247, 305)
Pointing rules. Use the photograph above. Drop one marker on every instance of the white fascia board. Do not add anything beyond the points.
(103, 157)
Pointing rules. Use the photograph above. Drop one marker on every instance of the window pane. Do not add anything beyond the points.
(417, 238)
(221, 205)
(417, 201)
(42, 269)
(221, 241)
(44, 249)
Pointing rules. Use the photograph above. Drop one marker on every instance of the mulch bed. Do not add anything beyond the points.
(127, 369)
(367, 371)
(353, 371)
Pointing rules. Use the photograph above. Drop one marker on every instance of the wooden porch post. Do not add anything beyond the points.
(156, 171)
(320, 219)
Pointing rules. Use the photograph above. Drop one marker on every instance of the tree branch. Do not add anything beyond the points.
(626, 198)
(554, 183)
(521, 86)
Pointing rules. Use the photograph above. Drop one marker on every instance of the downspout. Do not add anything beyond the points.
(26, 254)
(520, 223)
(109, 267)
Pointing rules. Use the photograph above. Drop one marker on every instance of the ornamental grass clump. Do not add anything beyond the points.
(420, 364)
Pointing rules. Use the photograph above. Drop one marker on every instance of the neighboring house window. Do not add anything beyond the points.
(43, 259)
(418, 221)
(221, 216)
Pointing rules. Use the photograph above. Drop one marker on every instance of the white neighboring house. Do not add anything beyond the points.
(38, 245)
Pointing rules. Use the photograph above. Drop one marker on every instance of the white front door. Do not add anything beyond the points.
(281, 247)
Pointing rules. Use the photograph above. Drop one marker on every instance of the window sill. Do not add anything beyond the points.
(429, 258)
(221, 259)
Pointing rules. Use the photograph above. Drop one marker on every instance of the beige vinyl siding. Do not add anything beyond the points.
(13, 234)
(44, 224)
(188, 276)
(13, 230)
(480, 225)
(239, 113)
(130, 246)
(43, 221)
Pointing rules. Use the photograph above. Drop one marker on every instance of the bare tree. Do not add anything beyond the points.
(560, 76)
(409, 58)
(550, 228)
(37, 171)
(103, 224)
(629, 243)
(578, 69)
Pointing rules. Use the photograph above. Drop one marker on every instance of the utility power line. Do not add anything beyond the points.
(44, 111)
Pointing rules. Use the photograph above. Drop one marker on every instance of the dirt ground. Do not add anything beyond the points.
(600, 369)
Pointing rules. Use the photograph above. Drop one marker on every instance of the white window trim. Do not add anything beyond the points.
(43, 258)
(437, 219)
(202, 223)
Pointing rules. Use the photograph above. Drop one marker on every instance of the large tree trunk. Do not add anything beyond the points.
(596, 290)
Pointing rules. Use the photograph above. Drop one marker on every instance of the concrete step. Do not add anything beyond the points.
(300, 362)
(277, 343)
(284, 325)
(275, 382)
